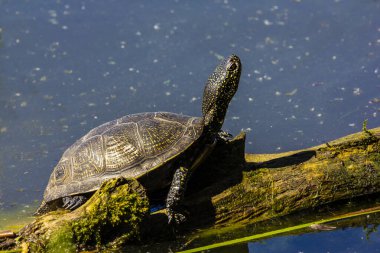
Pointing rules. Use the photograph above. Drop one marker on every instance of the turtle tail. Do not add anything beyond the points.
(44, 208)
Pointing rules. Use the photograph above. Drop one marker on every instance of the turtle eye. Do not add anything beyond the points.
(232, 66)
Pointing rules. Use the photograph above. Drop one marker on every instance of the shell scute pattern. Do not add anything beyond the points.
(135, 117)
(62, 172)
(158, 136)
(87, 160)
(122, 147)
(194, 130)
(172, 117)
(99, 130)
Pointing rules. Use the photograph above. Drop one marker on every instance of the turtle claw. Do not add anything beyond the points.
(225, 136)
(176, 218)
(73, 202)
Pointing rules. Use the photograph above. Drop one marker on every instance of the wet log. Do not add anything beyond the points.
(230, 187)
(264, 186)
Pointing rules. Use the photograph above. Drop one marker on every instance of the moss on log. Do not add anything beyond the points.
(114, 211)
(230, 187)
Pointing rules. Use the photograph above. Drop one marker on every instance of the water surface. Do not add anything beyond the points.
(311, 73)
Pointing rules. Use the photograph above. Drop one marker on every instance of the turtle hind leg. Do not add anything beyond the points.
(73, 202)
(44, 208)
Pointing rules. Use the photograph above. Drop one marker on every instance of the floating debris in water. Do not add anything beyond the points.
(156, 26)
(375, 100)
(275, 61)
(322, 227)
(266, 77)
(292, 117)
(357, 91)
(292, 93)
(218, 56)
(133, 89)
(267, 22)
(48, 97)
(53, 17)
(247, 130)
(316, 84)
(167, 82)
(193, 99)
(123, 44)
(53, 13)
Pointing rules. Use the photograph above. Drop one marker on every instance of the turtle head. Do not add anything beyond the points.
(220, 88)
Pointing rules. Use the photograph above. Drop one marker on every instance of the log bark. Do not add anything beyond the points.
(273, 185)
(233, 187)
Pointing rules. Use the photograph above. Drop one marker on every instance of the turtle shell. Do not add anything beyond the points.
(131, 146)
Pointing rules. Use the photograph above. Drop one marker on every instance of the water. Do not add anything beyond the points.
(344, 241)
(311, 73)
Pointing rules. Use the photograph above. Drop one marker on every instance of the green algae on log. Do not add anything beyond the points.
(116, 209)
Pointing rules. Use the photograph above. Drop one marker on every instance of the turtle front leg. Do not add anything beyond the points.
(176, 194)
(73, 202)
(225, 136)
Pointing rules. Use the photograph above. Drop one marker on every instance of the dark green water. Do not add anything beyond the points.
(311, 73)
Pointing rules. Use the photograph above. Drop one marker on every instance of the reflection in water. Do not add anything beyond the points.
(371, 231)
(340, 216)
(348, 240)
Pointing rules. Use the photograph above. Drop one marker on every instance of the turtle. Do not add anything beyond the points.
(159, 149)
